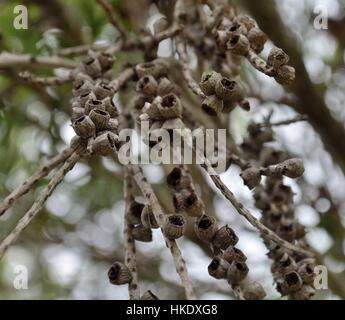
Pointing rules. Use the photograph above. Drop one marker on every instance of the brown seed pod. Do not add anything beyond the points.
(238, 45)
(141, 233)
(224, 238)
(229, 90)
(177, 180)
(218, 268)
(206, 227)
(151, 109)
(105, 143)
(110, 107)
(82, 99)
(277, 58)
(293, 281)
(257, 39)
(92, 67)
(147, 85)
(208, 82)
(284, 265)
(285, 75)
(81, 86)
(100, 118)
(232, 254)
(119, 274)
(305, 293)
(192, 204)
(148, 219)
(170, 107)
(84, 127)
(154, 68)
(93, 104)
(254, 291)
(286, 229)
(165, 87)
(238, 28)
(292, 168)
(212, 105)
(113, 126)
(148, 295)
(251, 177)
(306, 270)
(247, 21)
(134, 212)
(106, 60)
(222, 37)
(175, 226)
(77, 112)
(237, 272)
(103, 90)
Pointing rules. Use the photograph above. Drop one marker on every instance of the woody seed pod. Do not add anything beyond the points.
(229, 90)
(257, 39)
(134, 213)
(192, 205)
(141, 233)
(152, 109)
(212, 105)
(305, 293)
(254, 291)
(292, 168)
(147, 85)
(284, 265)
(285, 75)
(224, 238)
(205, 228)
(293, 281)
(277, 58)
(92, 67)
(238, 45)
(148, 295)
(175, 226)
(110, 107)
(93, 104)
(77, 112)
(82, 99)
(119, 274)
(84, 127)
(238, 28)
(100, 118)
(105, 143)
(251, 177)
(178, 181)
(247, 21)
(81, 86)
(286, 230)
(237, 272)
(222, 37)
(306, 270)
(218, 268)
(106, 60)
(170, 107)
(165, 87)
(148, 219)
(154, 68)
(113, 126)
(77, 143)
(234, 254)
(102, 90)
(209, 81)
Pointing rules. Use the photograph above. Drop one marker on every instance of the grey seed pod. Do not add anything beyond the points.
(147, 85)
(77, 112)
(222, 37)
(81, 86)
(119, 274)
(134, 213)
(103, 90)
(152, 109)
(238, 28)
(154, 68)
(178, 181)
(285, 75)
(82, 99)
(284, 265)
(224, 238)
(305, 293)
(208, 82)
(84, 127)
(92, 67)
(165, 87)
(93, 104)
(106, 60)
(257, 39)
(234, 254)
(229, 90)
(78, 144)
(160, 25)
(100, 118)
(238, 45)
(110, 107)
(148, 219)
(212, 105)
(192, 204)
(237, 272)
(218, 268)
(254, 291)
(113, 126)
(170, 107)
(251, 177)
(105, 143)
(293, 281)
(229, 106)
(206, 227)
(141, 233)
(148, 295)
(277, 58)
(306, 270)
(175, 226)
(247, 21)
(292, 168)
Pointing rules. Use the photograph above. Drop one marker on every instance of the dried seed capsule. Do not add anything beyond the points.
(285, 75)
(306, 270)
(102, 90)
(305, 293)
(82, 99)
(165, 87)
(251, 177)
(105, 143)
(113, 126)
(170, 107)
(224, 238)
(277, 58)
(293, 281)
(229, 90)
(254, 291)
(154, 68)
(100, 118)
(84, 127)
(286, 230)
(238, 45)
(119, 274)
(234, 254)
(222, 37)
(284, 265)
(152, 109)
(141, 233)
(110, 107)
(81, 86)
(206, 228)
(93, 104)
(148, 219)
(192, 205)
(134, 213)
(247, 21)
(178, 181)
(148, 295)
(77, 112)
(106, 60)
(257, 39)
(212, 105)
(218, 268)
(237, 272)
(292, 168)
(147, 85)
(175, 226)
(92, 67)
(238, 28)
(209, 81)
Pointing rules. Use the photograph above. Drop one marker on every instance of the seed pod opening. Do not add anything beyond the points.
(147, 85)
(170, 107)
(306, 270)
(175, 226)
(192, 204)
(277, 58)
(257, 39)
(83, 98)
(237, 272)
(206, 228)
(77, 112)
(222, 37)
(293, 281)
(251, 177)
(232, 254)
(113, 126)
(105, 143)
(224, 238)
(102, 90)
(178, 181)
(218, 268)
(238, 45)
(100, 118)
(134, 212)
(254, 291)
(305, 293)
(209, 81)
(93, 104)
(238, 28)
(84, 127)
(110, 107)
(92, 67)
(148, 219)
(119, 274)
(81, 86)
(151, 109)
(148, 295)
(141, 233)
(285, 75)
(212, 105)
(229, 90)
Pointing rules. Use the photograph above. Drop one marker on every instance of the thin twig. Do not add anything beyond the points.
(45, 81)
(122, 79)
(260, 64)
(298, 118)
